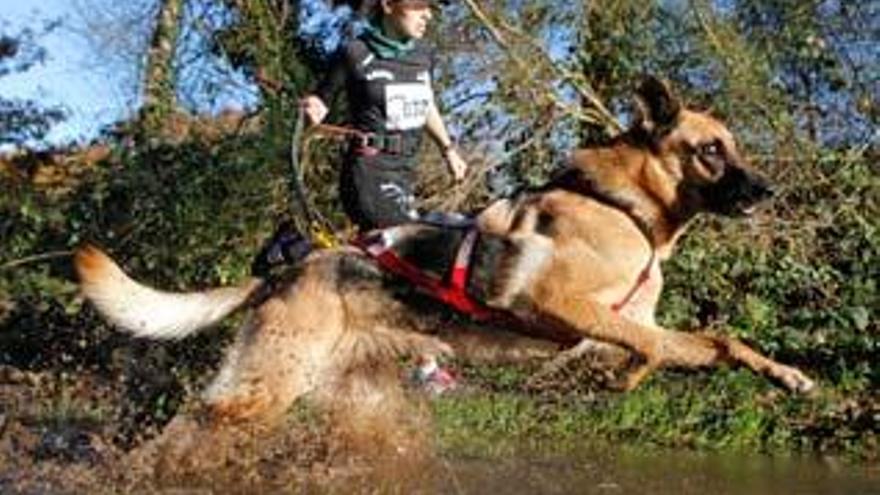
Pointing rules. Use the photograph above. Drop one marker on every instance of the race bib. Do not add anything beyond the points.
(407, 105)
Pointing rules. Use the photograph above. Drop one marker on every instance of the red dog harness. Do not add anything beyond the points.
(452, 292)
(378, 245)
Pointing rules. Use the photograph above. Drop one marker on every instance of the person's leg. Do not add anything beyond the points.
(377, 191)
(350, 191)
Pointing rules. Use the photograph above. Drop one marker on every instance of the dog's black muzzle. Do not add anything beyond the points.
(737, 192)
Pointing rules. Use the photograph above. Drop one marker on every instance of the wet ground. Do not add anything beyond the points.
(63, 438)
(672, 473)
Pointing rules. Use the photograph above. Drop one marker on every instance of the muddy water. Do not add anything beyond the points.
(596, 472)
(657, 473)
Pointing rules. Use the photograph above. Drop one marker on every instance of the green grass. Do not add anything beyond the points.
(728, 410)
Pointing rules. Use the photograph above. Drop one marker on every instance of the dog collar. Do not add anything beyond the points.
(642, 279)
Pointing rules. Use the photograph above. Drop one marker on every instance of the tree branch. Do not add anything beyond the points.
(600, 114)
(35, 258)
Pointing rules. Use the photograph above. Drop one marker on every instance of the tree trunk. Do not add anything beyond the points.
(159, 81)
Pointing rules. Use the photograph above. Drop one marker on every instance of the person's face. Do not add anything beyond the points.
(409, 18)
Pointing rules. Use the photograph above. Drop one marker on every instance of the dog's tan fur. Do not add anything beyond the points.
(573, 249)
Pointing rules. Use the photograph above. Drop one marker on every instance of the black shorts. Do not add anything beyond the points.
(377, 191)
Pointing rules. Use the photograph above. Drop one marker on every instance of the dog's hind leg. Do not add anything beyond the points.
(281, 354)
(244, 392)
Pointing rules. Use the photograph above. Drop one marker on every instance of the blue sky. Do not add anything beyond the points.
(69, 77)
(92, 89)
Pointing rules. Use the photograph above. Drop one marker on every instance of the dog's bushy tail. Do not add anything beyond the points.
(147, 312)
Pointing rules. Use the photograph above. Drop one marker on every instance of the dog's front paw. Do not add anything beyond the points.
(795, 380)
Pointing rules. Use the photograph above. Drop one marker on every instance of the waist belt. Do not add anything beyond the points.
(371, 143)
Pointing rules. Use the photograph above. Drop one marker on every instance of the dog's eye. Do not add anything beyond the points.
(711, 149)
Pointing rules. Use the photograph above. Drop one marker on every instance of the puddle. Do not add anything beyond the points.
(616, 471)
(657, 473)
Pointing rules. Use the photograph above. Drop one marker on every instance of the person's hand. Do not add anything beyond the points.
(314, 108)
(457, 166)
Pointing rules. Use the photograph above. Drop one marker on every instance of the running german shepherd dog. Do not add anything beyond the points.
(576, 259)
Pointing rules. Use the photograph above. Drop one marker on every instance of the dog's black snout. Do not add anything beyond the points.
(762, 189)
(751, 186)
(738, 191)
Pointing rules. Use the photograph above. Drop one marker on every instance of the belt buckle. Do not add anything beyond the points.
(368, 141)
(365, 143)
(382, 142)
(387, 143)
(395, 143)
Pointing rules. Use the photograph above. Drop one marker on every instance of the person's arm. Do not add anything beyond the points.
(437, 130)
(314, 108)
(314, 103)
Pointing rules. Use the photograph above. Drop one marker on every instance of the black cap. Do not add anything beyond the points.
(364, 6)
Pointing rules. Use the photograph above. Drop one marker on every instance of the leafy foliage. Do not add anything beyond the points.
(23, 121)
(183, 215)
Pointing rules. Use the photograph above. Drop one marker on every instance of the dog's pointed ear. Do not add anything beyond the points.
(658, 107)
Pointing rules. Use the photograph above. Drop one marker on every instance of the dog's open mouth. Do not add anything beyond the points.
(741, 208)
(747, 205)
(748, 210)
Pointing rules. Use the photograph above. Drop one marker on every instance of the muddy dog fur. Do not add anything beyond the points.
(570, 253)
